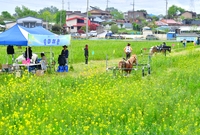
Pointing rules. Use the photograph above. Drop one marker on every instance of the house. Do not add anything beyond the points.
(188, 15)
(160, 23)
(75, 20)
(170, 22)
(8, 25)
(189, 37)
(28, 22)
(95, 12)
(130, 15)
(191, 22)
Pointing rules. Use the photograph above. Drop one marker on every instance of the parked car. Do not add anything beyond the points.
(75, 35)
(93, 33)
(109, 34)
(151, 37)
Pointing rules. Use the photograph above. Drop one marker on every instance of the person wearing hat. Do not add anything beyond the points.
(128, 51)
(65, 53)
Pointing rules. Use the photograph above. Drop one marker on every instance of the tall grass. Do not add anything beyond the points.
(93, 102)
(98, 49)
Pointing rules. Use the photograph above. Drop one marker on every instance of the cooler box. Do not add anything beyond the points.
(60, 69)
(66, 68)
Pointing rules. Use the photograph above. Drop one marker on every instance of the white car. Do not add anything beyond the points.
(93, 33)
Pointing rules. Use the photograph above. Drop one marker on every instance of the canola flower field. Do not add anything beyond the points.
(91, 101)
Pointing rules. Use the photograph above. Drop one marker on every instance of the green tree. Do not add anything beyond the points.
(142, 10)
(155, 18)
(61, 17)
(47, 16)
(173, 11)
(118, 15)
(24, 11)
(6, 15)
(111, 9)
(52, 10)
(135, 26)
(2, 20)
(56, 29)
(114, 28)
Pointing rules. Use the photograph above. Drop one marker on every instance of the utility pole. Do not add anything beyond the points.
(61, 15)
(107, 5)
(68, 6)
(166, 10)
(87, 20)
(133, 10)
(192, 7)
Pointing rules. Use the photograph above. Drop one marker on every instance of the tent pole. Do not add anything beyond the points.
(7, 59)
(50, 58)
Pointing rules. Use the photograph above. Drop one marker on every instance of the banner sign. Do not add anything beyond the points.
(48, 40)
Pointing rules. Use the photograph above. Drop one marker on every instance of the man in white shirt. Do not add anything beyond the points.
(128, 51)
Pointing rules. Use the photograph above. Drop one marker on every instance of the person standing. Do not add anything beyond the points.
(128, 51)
(184, 43)
(86, 54)
(65, 53)
(10, 50)
(28, 53)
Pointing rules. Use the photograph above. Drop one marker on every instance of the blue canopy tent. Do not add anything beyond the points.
(22, 36)
(37, 36)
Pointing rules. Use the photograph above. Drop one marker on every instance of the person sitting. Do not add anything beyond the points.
(43, 61)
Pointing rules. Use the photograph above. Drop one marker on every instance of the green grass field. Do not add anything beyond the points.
(89, 100)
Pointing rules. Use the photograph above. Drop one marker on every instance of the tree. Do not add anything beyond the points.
(111, 9)
(115, 13)
(135, 26)
(155, 18)
(47, 16)
(114, 28)
(56, 29)
(6, 15)
(52, 10)
(92, 26)
(173, 11)
(25, 12)
(142, 10)
(61, 17)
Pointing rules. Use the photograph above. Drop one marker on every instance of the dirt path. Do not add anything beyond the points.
(99, 66)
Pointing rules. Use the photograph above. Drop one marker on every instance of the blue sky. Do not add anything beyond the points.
(150, 6)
